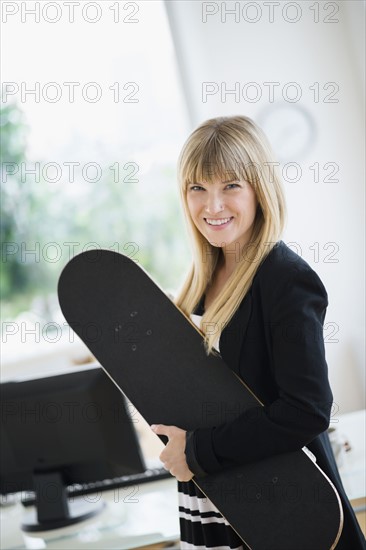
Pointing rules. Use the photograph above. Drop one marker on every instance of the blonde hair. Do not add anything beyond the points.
(218, 147)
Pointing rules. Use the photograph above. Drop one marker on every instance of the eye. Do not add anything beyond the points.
(232, 185)
(196, 188)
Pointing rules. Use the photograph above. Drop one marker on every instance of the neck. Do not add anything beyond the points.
(227, 261)
(230, 256)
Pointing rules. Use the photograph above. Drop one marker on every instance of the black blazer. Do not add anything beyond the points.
(274, 342)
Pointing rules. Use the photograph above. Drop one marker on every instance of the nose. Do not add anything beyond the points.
(214, 203)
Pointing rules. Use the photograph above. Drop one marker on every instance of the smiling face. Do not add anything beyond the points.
(223, 211)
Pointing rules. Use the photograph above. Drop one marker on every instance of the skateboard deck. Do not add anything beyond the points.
(155, 355)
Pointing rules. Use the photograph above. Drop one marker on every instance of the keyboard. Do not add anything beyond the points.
(79, 489)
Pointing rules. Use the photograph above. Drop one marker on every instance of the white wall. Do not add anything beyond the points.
(331, 214)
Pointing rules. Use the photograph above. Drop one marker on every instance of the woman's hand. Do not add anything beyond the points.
(173, 456)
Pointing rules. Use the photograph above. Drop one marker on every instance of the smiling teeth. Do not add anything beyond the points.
(218, 222)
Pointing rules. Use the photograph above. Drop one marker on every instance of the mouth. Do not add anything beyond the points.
(218, 223)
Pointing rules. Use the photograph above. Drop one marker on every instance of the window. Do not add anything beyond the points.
(92, 121)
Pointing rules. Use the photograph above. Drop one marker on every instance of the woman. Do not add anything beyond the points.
(267, 307)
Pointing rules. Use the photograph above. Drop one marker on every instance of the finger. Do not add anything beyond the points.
(160, 429)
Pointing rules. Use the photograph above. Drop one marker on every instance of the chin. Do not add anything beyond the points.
(216, 244)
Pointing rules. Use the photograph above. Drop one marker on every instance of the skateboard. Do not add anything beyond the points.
(155, 355)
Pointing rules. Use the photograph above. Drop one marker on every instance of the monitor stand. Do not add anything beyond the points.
(53, 509)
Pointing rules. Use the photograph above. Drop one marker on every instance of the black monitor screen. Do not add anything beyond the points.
(61, 430)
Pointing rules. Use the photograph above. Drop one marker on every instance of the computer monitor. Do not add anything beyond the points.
(62, 430)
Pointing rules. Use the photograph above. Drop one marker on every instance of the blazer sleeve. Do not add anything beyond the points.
(296, 311)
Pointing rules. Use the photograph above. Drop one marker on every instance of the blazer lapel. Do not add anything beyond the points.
(232, 336)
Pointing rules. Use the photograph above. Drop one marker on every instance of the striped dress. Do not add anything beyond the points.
(201, 524)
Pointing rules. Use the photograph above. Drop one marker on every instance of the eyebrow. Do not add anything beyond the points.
(222, 183)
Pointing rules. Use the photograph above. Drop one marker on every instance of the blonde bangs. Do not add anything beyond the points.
(216, 159)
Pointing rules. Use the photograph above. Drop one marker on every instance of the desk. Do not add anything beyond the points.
(123, 525)
(352, 426)
(352, 468)
(154, 517)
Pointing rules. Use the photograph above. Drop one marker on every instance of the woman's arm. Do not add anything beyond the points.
(295, 311)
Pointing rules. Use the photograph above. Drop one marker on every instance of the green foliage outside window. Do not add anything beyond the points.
(40, 219)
